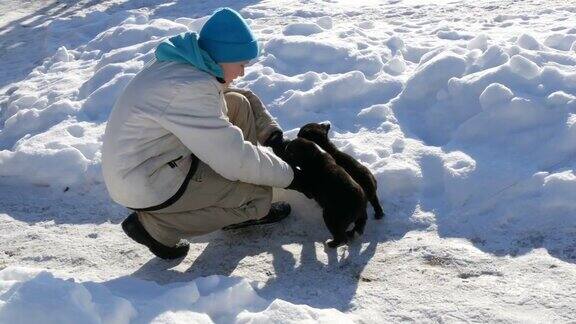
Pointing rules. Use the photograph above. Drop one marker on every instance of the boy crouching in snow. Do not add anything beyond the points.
(180, 148)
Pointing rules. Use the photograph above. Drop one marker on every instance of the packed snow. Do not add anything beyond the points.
(465, 113)
(34, 296)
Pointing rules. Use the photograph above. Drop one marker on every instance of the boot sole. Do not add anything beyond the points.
(133, 228)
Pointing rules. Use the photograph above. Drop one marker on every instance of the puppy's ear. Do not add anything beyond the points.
(326, 126)
(299, 134)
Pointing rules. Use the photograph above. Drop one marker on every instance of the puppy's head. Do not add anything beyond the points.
(302, 152)
(317, 133)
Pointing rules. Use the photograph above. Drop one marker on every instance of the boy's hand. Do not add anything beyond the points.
(278, 144)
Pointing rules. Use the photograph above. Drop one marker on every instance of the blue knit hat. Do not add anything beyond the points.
(227, 37)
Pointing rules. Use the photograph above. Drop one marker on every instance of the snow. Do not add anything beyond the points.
(304, 29)
(291, 56)
(495, 95)
(34, 296)
(465, 113)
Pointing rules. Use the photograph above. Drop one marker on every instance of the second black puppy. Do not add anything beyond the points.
(341, 198)
(318, 133)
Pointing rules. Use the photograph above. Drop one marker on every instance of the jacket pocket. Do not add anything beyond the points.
(173, 164)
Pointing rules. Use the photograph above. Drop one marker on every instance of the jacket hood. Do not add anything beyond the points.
(184, 48)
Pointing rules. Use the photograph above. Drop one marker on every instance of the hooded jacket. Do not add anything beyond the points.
(171, 111)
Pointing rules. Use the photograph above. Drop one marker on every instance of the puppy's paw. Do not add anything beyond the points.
(350, 234)
(379, 215)
(334, 243)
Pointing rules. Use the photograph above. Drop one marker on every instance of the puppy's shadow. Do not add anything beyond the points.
(322, 277)
(322, 281)
(223, 255)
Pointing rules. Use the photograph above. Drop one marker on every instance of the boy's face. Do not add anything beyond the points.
(233, 70)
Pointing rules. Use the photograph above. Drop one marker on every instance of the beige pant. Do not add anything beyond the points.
(210, 201)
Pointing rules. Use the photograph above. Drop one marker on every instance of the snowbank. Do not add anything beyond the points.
(38, 296)
(514, 119)
(297, 54)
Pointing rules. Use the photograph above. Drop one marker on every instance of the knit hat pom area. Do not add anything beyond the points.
(227, 38)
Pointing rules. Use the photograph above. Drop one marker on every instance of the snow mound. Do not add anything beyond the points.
(494, 95)
(304, 29)
(442, 94)
(528, 42)
(395, 66)
(325, 22)
(338, 98)
(35, 296)
(30, 296)
(511, 112)
(563, 42)
(297, 54)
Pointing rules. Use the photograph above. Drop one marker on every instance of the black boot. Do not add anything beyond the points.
(278, 211)
(134, 229)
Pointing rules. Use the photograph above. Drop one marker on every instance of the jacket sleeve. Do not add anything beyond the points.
(196, 116)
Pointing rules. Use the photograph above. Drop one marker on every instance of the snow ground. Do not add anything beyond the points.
(465, 111)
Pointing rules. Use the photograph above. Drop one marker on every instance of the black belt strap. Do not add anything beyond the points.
(178, 193)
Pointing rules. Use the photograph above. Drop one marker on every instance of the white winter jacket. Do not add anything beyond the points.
(168, 111)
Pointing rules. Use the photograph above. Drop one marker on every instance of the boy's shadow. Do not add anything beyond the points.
(321, 281)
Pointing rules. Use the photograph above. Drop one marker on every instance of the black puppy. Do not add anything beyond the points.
(341, 198)
(318, 133)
